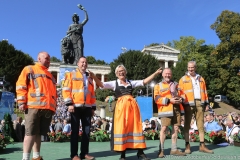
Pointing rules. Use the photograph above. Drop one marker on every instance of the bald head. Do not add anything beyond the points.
(167, 74)
(44, 59)
(167, 70)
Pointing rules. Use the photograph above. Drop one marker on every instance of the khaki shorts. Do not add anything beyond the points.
(175, 120)
(37, 121)
(198, 112)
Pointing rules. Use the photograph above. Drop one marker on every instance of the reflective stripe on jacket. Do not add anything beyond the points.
(73, 90)
(162, 96)
(36, 87)
(185, 83)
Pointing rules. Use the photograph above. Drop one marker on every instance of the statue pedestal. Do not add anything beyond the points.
(102, 111)
(64, 68)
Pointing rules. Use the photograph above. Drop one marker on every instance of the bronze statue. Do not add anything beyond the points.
(67, 51)
(72, 44)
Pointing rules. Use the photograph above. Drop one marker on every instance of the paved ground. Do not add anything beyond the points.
(61, 151)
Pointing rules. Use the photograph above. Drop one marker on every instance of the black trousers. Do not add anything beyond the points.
(83, 114)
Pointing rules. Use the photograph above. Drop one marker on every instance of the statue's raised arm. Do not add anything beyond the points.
(86, 15)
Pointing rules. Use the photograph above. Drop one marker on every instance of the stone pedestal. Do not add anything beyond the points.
(102, 111)
(64, 69)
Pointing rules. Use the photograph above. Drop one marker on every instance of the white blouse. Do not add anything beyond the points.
(112, 84)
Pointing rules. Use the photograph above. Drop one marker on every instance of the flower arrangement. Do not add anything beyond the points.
(194, 136)
(215, 137)
(59, 136)
(151, 134)
(100, 136)
(210, 137)
(236, 137)
(5, 140)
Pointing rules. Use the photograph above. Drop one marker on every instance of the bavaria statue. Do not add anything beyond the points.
(72, 44)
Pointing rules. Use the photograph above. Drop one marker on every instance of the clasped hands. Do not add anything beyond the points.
(71, 109)
(176, 100)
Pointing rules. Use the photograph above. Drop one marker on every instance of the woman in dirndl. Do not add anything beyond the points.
(127, 130)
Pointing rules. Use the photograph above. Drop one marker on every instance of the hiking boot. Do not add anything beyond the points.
(39, 158)
(161, 154)
(188, 149)
(177, 153)
(203, 148)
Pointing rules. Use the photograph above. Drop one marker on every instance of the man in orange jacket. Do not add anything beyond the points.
(78, 94)
(197, 102)
(168, 98)
(36, 95)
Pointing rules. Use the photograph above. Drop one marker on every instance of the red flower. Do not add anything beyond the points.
(192, 137)
(196, 132)
(80, 133)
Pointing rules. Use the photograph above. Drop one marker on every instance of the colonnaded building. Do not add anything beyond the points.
(166, 55)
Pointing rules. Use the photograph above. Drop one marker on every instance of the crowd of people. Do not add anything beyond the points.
(72, 109)
(212, 122)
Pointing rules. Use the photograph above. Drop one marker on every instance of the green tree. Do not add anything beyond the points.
(54, 59)
(152, 44)
(192, 49)
(139, 65)
(8, 129)
(101, 62)
(12, 62)
(225, 61)
(189, 48)
(101, 94)
(92, 60)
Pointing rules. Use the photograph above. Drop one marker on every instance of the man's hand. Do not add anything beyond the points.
(22, 107)
(71, 109)
(91, 74)
(176, 100)
(207, 108)
(159, 71)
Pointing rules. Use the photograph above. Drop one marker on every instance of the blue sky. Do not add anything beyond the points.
(39, 25)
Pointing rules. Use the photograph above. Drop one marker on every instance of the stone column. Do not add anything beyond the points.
(166, 64)
(58, 78)
(174, 64)
(102, 111)
(102, 78)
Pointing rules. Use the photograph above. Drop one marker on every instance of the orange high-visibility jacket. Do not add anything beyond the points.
(36, 87)
(162, 97)
(73, 90)
(185, 83)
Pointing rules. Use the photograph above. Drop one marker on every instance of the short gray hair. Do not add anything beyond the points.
(193, 62)
(121, 65)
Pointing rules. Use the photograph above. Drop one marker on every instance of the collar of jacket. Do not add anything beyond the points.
(163, 81)
(197, 75)
(41, 66)
(78, 70)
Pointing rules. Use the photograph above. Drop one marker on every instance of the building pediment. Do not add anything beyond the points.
(160, 49)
